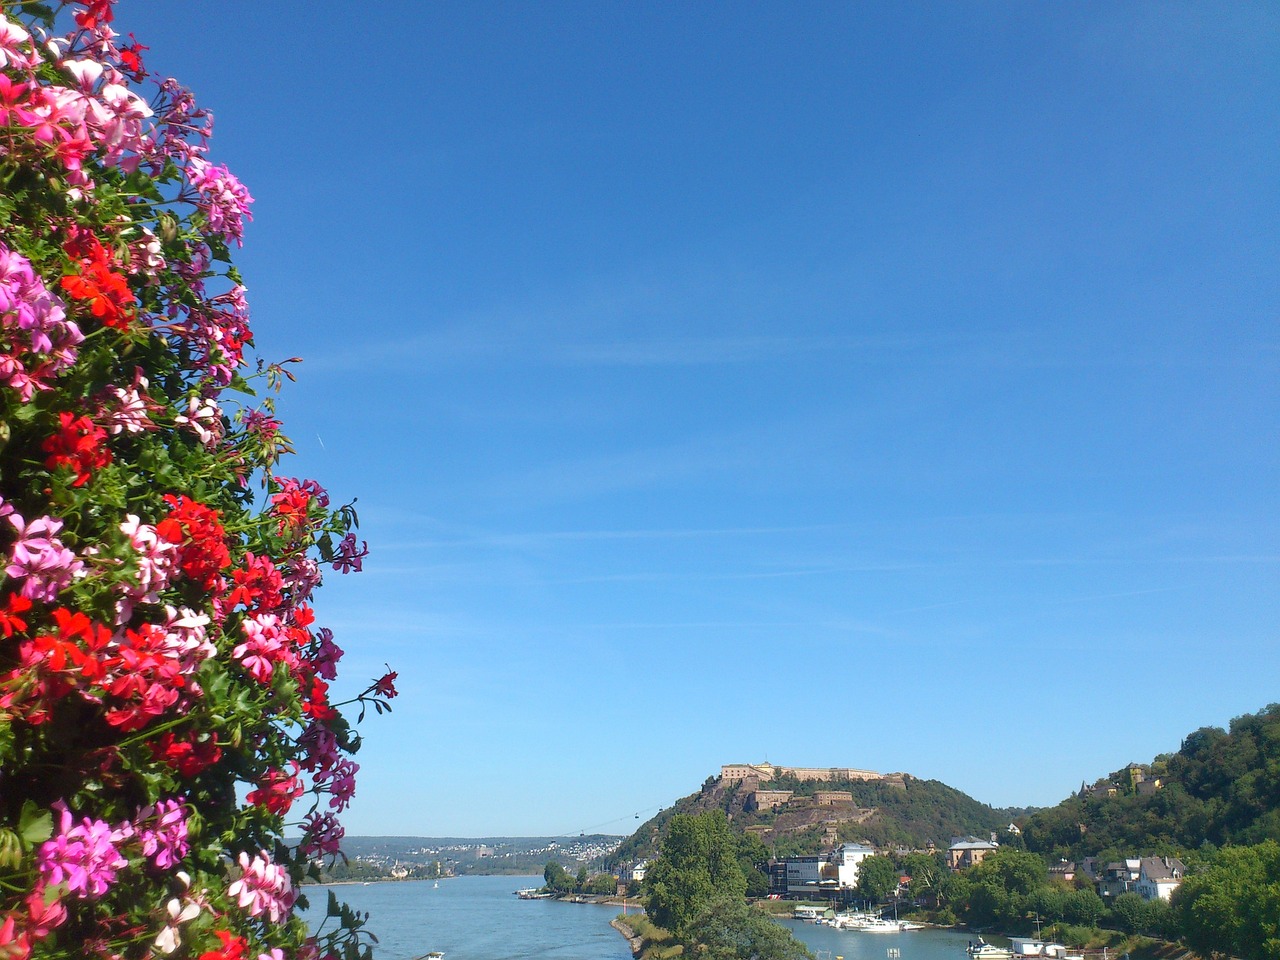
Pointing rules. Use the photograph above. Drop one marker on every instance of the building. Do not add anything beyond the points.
(964, 852)
(803, 876)
(767, 771)
(632, 872)
(1117, 877)
(845, 859)
(832, 877)
(829, 798)
(768, 799)
(1158, 877)
(746, 771)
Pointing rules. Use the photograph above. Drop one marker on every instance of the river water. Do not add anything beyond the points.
(478, 918)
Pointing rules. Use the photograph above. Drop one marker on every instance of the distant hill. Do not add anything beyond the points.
(1221, 787)
(899, 810)
(477, 855)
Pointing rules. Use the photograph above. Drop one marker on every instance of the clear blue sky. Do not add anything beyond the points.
(874, 384)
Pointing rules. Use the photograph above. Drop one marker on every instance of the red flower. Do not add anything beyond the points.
(9, 619)
(315, 702)
(277, 790)
(187, 757)
(197, 529)
(95, 12)
(107, 292)
(386, 685)
(233, 947)
(78, 445)
(131, 57)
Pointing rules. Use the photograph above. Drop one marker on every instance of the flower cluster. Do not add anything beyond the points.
(159, 656)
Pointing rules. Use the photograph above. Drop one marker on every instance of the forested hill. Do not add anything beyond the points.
(903, 811)
(1221, 787)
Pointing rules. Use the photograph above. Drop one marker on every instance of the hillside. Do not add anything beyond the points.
(899, 810)
(1221, 787)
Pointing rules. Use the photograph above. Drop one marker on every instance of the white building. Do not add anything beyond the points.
(1158, 877)
(846, 859)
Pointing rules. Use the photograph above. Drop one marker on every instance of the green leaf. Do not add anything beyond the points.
(34, 825)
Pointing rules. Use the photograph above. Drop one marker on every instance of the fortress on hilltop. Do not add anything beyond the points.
(764, 772)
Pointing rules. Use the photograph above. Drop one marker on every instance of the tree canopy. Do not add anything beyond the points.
(698, 863)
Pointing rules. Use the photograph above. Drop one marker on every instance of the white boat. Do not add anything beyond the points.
(988, 951)
(878, 925)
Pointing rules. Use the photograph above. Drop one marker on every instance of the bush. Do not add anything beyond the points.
(158, 654)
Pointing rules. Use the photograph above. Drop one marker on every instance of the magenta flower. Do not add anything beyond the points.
(84, 856)
(326, 654)
(339, 780)
(163, 832)
(322, 834)
(33, 322)
(350, 558)
(320, 746)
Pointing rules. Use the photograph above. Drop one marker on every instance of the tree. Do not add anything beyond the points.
(926, 872)
(753, 858)
(877, 878)
(1083, 907)
(698, 863)
(580, 884)
(602, 884)
(1233, 907)
(557, 878)
(730, 930)
(1127, 912)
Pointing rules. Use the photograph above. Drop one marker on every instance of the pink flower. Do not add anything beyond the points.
(40, 560)
(127, 410)
(163, 832)
(12, 39)
(223, 198)
(84, 856)
(263, 888)
(266, 644)
(155, 558)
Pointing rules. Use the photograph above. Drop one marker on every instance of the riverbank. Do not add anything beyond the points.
(635, 942)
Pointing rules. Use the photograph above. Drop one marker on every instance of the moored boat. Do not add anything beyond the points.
(988, 951)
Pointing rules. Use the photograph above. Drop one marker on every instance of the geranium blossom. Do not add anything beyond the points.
(162, 829)
(223, 198)
(83, 855)
(160, 644)
(37, 342)
(264, 888)
(79, 445)
(39, 559)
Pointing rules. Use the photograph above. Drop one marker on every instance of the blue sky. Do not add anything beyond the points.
(877, 384)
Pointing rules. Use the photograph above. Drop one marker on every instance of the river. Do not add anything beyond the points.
(477, 918)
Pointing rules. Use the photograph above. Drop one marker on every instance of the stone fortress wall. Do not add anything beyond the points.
(767, 771)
